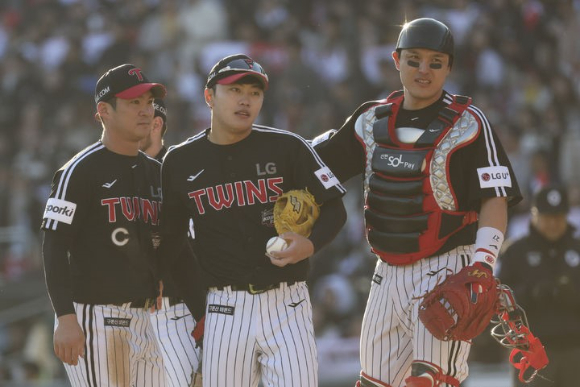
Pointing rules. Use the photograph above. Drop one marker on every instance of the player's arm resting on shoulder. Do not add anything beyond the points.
(490, 234)
(69, 340)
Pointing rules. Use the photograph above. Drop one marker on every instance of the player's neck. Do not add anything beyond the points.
(223, 137)
(120, 146)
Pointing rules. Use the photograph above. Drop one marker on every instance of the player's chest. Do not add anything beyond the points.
(233, 182)
(127, 194)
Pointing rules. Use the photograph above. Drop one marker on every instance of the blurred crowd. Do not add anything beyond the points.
(518, 59)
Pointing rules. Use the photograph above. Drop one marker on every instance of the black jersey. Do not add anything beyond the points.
(470, 167)
(229, 192)
(107, 206)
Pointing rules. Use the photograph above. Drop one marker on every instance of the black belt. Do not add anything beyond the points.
(255, 289)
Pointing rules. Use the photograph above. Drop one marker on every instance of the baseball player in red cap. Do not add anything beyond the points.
(99, 226)
(258, 322)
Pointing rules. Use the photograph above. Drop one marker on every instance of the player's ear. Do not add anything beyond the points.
(102, 110)
(397, 59)
(157, 123)
(208, 94)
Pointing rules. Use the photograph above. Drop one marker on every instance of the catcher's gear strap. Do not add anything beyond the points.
(487, 245)
(332, 218)
(367, 381)
(425, 374)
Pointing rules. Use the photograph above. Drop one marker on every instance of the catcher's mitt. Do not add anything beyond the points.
(295, 211)
(461, 307)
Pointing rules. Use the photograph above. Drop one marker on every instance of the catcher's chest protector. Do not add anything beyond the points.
(411, 207)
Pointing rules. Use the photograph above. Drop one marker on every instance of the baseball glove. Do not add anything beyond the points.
(295, 211)
(461, 307)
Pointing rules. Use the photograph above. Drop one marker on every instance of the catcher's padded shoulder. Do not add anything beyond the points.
(295, 211)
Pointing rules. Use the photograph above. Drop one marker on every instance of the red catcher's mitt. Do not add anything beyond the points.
(461, 307)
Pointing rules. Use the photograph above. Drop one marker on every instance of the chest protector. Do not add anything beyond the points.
(410, 205)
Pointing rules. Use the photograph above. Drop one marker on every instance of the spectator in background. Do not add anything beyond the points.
(543, 269)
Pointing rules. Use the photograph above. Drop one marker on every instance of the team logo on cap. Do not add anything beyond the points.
(554, 198)
(136, 71)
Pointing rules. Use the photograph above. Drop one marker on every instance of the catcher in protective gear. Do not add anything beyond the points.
(461, 307)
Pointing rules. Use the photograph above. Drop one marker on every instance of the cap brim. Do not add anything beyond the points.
(236, 77)
(157, 89)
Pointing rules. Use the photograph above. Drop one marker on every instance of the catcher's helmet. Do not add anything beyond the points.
(426, 33)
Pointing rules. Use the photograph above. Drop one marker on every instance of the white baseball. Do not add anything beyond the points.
(276, 244)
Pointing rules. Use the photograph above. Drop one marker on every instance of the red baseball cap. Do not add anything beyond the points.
(126, 81)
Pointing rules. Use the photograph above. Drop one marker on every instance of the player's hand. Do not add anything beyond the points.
(299, 248)
(69, 340)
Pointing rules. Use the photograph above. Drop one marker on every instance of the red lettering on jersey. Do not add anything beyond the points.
(130, 208)
(110, 203)
(240, 193)
(273, 186)
(222, 201)
(254, 192)
(196, 195)
(150, 211)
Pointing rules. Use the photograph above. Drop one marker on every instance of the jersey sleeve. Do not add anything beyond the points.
(174, 222)
(490, 173)
(343, 153)
(68, 201)
(312, 173)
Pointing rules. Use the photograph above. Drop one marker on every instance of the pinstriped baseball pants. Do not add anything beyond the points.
(121, 348)
(392, 335)
(252, 336)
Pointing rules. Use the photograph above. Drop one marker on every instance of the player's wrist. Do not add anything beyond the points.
(487, 246)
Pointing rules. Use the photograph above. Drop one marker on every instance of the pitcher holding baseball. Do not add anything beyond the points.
(227, 179)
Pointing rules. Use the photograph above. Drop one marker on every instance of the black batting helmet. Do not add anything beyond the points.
(426, 33)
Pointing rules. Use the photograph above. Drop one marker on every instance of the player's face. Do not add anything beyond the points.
(551, 226)
(235, 107)
(423, 73)
(132, 118)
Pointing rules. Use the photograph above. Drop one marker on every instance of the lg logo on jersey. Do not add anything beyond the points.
(269, 169)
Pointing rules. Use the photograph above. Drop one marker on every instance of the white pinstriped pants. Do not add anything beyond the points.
(392, 335)
(173, 325)
(121, 348)
(268, 336)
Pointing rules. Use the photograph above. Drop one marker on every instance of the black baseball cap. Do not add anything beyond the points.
(126, 81)
(234, 67)
(551, 200)
(160, 109)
